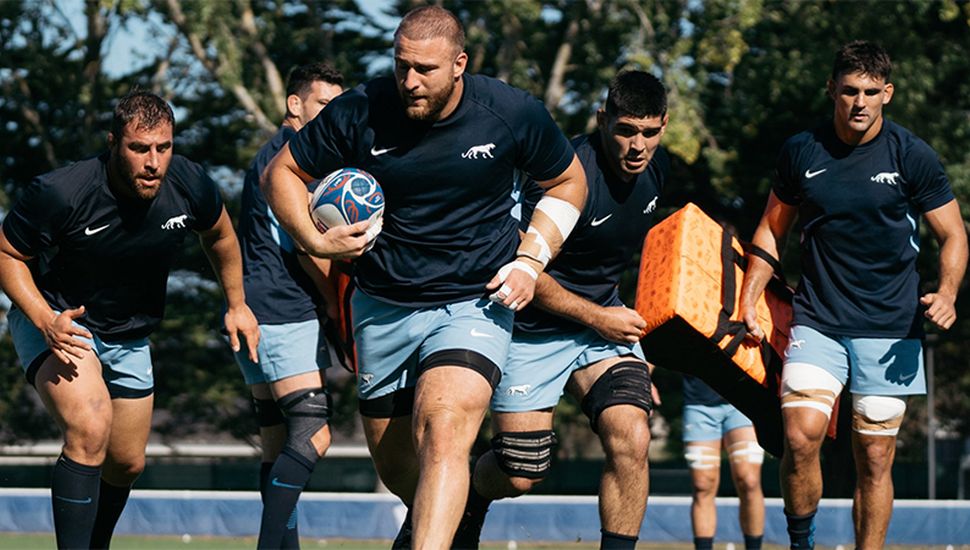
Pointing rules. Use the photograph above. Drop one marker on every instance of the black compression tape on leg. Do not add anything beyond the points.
(625, 383)
(524, 454)
(463, 358)
(393, 405)
(267, 412)
(306, 413)
(703, 543)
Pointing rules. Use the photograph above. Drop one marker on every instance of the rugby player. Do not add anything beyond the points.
(285, 289)
(710, 424)
(85, 256)
(435, 297)
(577, 334)
(858, 185)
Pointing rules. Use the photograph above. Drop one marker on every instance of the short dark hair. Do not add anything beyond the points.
(637, 94)
(428, 22)
(302, 78)
(150, 110)
(861, 56)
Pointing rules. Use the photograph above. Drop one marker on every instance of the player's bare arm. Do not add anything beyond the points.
(515, 282)
(947, 226)
(617, 324)
(284, 186)
(774, 225)
(319, 271)
(222, 248)
(58, 329)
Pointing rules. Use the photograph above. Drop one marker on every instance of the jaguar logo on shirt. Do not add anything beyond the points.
(651, 207)
(175, 222)
(890, 178)
(484, 150)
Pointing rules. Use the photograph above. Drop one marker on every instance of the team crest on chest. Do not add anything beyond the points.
(479, 151)
(175, 222)
(889, 178)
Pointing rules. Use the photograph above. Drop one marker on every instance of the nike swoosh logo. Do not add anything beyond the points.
(276, 481)
(596, 222)
(74, 500)
(809, 174)
(88, 231)
(378, 152)
(907, 377)
(476, 333)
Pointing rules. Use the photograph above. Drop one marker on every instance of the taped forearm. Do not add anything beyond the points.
(552, 222)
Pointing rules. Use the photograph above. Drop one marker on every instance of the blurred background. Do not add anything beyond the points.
(742, 76)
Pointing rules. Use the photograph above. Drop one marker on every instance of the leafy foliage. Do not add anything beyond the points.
(742, 76)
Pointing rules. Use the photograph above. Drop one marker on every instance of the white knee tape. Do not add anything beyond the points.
(746, 451)
(808, 386)
(877, 414)
(700, 457)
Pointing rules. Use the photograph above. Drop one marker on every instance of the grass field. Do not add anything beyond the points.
(27, 542)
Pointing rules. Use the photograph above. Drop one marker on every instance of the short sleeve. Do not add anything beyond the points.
(787, 185)
(35, 221)
(203, 196)
(326, 143)
(929, 188)
(544, 152)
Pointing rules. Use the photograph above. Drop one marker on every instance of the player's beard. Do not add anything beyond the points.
(130, 179)
(434, 104)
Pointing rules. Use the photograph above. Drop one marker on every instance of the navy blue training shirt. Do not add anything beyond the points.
(109, 254)
(447, 184)
(607, 236)
(859, 209)
(278, 290)
(697, 392)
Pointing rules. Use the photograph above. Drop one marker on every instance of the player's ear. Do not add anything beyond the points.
(601, 120)
(293, 104)
(888, 93)
(830, 88)
(461, 61)
(111, 140)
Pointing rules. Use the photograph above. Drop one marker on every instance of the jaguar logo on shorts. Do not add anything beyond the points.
(366, 378)
(519, 390)
(794, 344)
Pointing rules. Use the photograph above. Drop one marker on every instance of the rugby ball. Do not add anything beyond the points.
(344, 197)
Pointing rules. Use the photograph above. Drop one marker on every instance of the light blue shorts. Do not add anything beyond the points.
(285, 350)
(392, 340)
(711, 422)
(538, 367)
(126, 366)
(872, 366)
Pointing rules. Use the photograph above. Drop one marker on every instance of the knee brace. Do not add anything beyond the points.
(809, 386)
(524, 454)
(877, 414)
(626, 383)
(746, 451)
(306, 412)
(268, 413)
(702, 457)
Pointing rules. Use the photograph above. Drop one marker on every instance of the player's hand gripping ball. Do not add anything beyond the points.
(345, 197)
